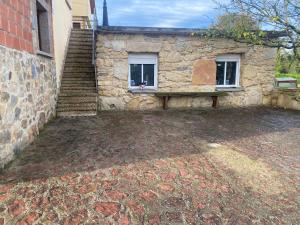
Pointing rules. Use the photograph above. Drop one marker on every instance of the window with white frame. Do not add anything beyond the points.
(142, 71)
(228, 70)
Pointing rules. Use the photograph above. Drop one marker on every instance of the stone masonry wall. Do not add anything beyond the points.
(285, 98)
(27, 99)
(177, 57)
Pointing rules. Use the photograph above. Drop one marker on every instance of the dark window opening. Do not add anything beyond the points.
(227, 73)
(43, 28)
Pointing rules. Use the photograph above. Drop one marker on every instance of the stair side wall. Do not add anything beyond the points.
(27, 99)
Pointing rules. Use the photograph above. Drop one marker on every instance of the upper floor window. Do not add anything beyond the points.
(228, 70)
(142, 71)
(43, 25)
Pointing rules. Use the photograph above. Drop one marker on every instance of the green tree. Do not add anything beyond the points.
(282, 16)
(235, 22)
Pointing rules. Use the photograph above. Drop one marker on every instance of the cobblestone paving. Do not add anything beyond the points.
(234, 166)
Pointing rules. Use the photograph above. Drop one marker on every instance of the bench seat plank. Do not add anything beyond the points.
(167, 95)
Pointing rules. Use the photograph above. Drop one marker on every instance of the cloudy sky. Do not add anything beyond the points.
(160, 13)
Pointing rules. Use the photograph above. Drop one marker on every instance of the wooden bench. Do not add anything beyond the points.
(167, 95)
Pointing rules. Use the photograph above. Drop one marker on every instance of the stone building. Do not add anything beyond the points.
(135, 64)
(34, 36)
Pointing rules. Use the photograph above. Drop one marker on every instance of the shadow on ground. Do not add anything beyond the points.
(232, 166)
(120, 138)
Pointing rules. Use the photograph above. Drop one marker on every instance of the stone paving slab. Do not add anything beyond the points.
(233, 166)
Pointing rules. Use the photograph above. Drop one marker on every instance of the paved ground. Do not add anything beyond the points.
(187, 167)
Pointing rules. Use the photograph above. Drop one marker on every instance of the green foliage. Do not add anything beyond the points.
(287, 63)
(244, 17)
(234, 22)
(293, 75)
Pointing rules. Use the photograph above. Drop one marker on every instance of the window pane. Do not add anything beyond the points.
(135, 74)
(220, 73)
(149, 74)
(231, 73)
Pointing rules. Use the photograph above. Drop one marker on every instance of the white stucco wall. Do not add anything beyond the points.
(81, 8)
(62, 24)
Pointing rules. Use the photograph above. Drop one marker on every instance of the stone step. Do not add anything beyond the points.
(78, 85)
(80, 47)
(87, 99)
(83, 55)
(80, 37)
(81, 34)
(79, 76)
(83, 38)
(78, 79)
(79, 60)
(78, 94)
(88, 81)
(79, 64)
(75, 108)
(90, 70)
(81, 43)
(78, 88)
(82, 31)
(76, 114)
(80, 55)
(80, 106)
(80, 51)
(77, 67)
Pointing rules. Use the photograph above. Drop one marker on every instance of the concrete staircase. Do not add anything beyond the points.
(78, 95)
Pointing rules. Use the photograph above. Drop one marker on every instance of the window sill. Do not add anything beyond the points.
(144, 91)
(230, 89)
(45, 54)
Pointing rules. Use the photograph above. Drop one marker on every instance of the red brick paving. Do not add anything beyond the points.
(157, 168)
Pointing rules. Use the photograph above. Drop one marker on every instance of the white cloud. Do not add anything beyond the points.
(161, 13)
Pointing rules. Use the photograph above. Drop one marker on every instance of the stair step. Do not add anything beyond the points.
(76, 56)
(86, 99)
(85, 107)
(78, 79)
(66, 81)
(76, 113)
(78, 94)
(82, 30)
(80, 74)
(79, 105)
(80, 51)
(83, 38)
(80, 47)
(79, 60)
(81, 88)
(77, 85)
(78, 64)
(79, 69)
(81, 43)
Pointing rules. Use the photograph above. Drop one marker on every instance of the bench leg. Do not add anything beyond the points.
(165, 102)
(215, 101)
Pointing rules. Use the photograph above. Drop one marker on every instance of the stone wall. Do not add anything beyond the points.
(288, 99)
(27, 99)
(177, 58)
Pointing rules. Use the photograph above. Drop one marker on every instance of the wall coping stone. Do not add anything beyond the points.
(149, 30)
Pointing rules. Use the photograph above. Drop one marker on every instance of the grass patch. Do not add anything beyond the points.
(255, 174)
